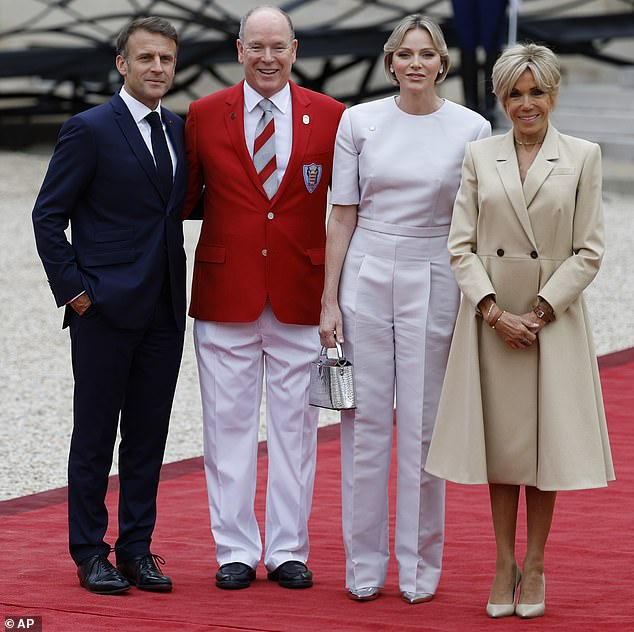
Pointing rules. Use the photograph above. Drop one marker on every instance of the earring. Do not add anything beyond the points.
(392, 69)
(441, 70)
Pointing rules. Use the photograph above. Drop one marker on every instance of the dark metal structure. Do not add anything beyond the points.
(340, 45)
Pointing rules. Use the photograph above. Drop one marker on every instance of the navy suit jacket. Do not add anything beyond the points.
(125, 238)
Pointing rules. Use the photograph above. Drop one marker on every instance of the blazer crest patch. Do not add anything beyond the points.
(312, 176)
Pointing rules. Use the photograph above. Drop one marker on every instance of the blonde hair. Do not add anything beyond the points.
(408, 23)
(540, 60)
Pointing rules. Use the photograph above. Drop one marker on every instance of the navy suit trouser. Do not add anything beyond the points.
(127, 376)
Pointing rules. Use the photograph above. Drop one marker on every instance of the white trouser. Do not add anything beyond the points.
(231, 361)
(399, 302)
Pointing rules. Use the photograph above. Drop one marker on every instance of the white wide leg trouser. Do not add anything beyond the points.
(399, 302)
(232, 358)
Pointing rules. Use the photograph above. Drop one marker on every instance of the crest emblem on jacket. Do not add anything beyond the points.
(312, 176)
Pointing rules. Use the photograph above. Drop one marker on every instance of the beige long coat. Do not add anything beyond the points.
(529, 416)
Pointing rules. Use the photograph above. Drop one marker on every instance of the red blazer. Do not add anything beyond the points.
(250, 247)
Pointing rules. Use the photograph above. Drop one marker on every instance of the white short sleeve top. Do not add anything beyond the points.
(402, 168)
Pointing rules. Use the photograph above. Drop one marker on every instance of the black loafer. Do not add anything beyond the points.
(234, 576)
(292, 574)
(142, 571)
(99, 576)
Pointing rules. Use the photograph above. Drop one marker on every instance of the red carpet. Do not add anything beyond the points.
(589, 558)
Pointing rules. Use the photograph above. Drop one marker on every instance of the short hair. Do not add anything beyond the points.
(248, 14)
(408, 23)
(152, 24)
(540, 60)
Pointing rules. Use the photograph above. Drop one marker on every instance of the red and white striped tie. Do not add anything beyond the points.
(264, 149)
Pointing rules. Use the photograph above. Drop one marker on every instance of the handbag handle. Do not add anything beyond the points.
(341, 358)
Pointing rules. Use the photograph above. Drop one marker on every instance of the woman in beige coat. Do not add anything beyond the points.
(521, 401)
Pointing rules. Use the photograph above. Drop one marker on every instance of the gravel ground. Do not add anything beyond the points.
(35, 373)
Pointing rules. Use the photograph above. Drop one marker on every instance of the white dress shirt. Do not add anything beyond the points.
(139, 111)
(283, 117)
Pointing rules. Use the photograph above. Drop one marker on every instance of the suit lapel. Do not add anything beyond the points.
(234, 122)
(509, 173)
(301, 134)
(131, 132)
(179, 148)
(542, 165)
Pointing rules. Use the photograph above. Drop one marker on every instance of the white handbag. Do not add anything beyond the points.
(332, 381)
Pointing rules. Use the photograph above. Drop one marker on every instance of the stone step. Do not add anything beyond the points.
(608, 123)
(618, 175)
(626, 77)
(599, 97)
(614, 149)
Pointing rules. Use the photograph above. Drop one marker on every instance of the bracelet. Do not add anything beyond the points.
(498, 318)
(490, 310)
(489, 322)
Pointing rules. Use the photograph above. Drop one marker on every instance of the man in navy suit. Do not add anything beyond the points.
(119, 179)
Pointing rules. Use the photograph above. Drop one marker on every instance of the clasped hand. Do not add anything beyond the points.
(519, 331)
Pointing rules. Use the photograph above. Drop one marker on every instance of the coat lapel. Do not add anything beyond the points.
(509, 173)
(542, 165)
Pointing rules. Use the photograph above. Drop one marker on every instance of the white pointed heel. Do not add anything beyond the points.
(532, 610)
(499, 610)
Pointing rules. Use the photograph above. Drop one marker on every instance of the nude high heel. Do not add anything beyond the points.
(532, 610)
(499, 610)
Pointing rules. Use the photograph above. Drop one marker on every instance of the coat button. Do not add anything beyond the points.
(534, 255)
(264, 252)
(500, 252)
(271, 215)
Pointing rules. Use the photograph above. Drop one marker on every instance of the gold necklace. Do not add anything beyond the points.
(525, 144)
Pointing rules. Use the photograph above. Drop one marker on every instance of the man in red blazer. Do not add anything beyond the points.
(262, 150)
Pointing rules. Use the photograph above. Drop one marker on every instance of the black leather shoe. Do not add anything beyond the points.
(99, 576)
(234, 576)
(292, 574)
(142, 571)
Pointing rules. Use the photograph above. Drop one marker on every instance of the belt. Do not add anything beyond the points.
(404, 231)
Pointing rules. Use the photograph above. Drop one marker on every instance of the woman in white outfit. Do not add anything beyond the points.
(391, 299)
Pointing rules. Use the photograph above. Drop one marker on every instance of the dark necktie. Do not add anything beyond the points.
(161, 153)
